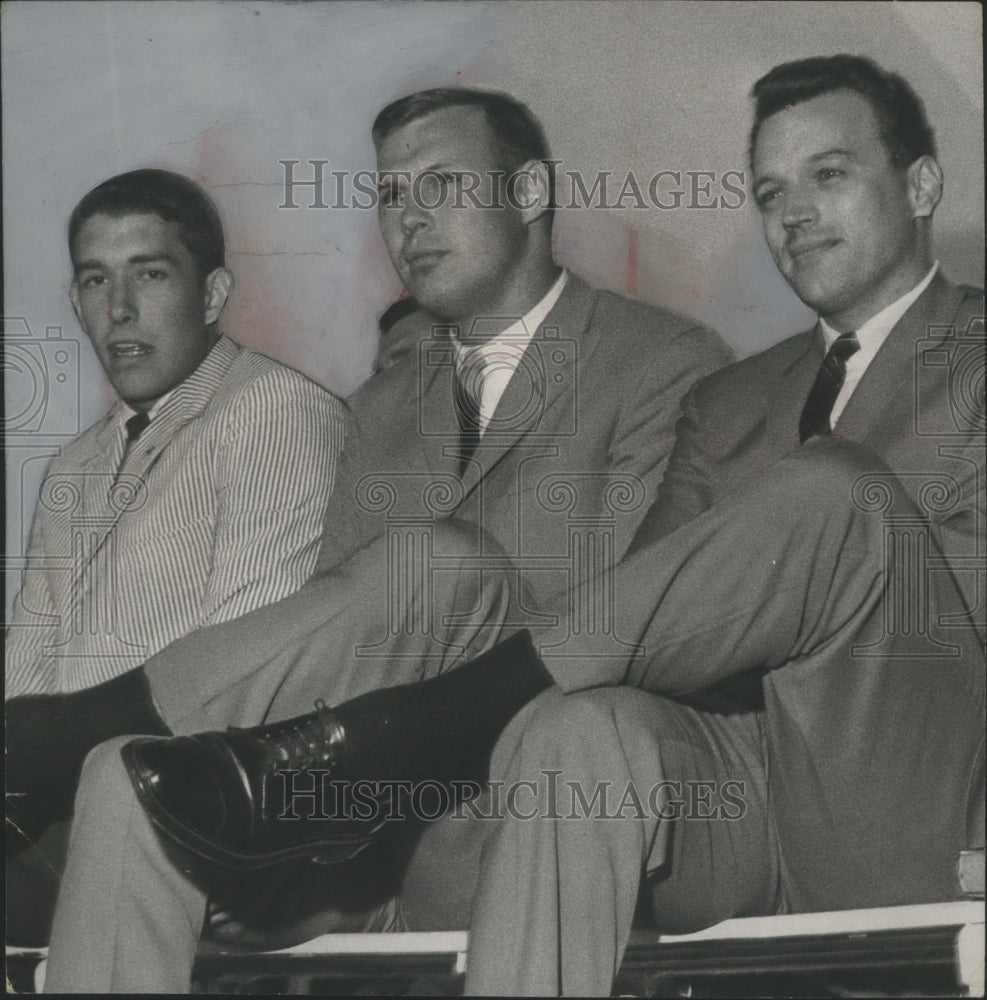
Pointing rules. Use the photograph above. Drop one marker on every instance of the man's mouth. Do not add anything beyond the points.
(128, 349)
(420, 260)
(805, 250)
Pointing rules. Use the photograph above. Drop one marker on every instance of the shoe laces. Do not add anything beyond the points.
(314, 741)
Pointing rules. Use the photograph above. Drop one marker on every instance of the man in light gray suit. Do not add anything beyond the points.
(842, 574)
(580, 387)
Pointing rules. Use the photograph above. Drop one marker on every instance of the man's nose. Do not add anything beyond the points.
(123, 306)
(414, 215)
(799, 208)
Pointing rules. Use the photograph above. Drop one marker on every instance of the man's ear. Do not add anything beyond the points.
(219, 284)
(77, 305)
(924, 186)
(530, 190)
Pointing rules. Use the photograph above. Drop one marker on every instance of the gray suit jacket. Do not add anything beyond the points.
(579, 440)
(915, 408)
(876, 754)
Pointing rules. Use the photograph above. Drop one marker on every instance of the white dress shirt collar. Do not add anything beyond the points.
(880, 325)
(129, 412)
(503, 351)
(871, 335)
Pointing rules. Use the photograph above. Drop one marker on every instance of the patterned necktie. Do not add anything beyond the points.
(469, 395)
(829, 381)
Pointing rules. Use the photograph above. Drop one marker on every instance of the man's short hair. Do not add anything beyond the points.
(169, 196)
(517, 133)
(900, 114)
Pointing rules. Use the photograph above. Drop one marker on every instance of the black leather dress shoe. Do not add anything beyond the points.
(248, 798)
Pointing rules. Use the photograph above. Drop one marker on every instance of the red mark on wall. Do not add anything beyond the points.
(632, 247)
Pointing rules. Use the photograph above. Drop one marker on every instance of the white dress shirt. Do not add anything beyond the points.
(502, 352)
(871, 335)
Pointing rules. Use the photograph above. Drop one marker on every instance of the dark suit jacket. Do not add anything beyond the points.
(585, 427)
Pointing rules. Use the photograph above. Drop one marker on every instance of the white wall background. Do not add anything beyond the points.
(222, 91)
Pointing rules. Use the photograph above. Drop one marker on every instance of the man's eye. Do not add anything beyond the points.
(389, 190)
(93, 281)
(153, 274)
(431, 187)
(829, 173)
(766, 196)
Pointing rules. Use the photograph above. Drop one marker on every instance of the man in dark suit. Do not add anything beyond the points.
(532, 412)
(800, 726)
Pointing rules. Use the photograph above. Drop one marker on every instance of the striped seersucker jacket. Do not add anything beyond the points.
(217, 509)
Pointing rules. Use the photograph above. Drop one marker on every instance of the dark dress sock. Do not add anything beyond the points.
(440, 728)
(48, 736)
(33, 872)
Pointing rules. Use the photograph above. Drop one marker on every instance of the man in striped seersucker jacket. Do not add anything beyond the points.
(198, 497)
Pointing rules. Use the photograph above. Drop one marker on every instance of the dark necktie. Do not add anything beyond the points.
(136, 425)
(829, 381)
(469, 393)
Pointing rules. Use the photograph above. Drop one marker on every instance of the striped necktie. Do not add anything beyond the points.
(832, 374)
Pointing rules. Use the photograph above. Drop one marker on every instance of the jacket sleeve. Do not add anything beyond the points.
(687, 488)
(275, 469)
(654, 419)
(347, 526)
(33, 623)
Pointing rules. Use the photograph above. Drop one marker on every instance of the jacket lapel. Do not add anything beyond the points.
(889, 378)
(791, 390)
(93, 477)
(106, 445)
(117, 489)
(186, 402)
(546, 375)
(431, 402)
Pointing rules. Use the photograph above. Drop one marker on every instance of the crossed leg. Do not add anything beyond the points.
(868, 737)
(810, 579)
(345, 633)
